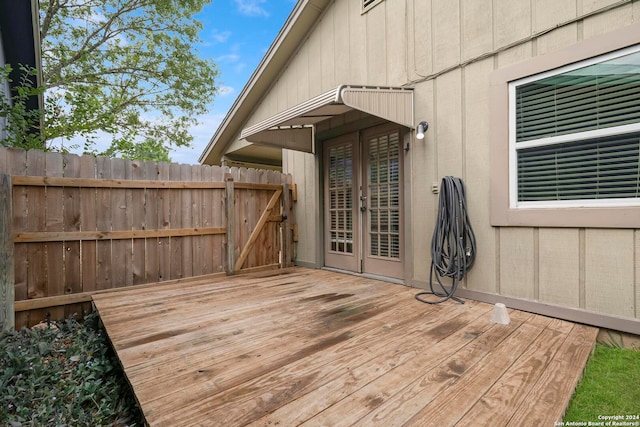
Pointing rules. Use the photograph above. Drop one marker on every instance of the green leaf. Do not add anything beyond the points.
(127, 68)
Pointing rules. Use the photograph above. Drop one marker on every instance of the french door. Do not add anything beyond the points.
(363, 202)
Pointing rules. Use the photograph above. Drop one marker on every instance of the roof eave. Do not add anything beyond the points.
(21, 33)
(298, 24)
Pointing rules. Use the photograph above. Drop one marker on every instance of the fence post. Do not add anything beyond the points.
(7, 315)
(231, 227)
(286, 224)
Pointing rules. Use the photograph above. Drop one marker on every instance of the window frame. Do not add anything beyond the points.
(514, 146)
(502, 212)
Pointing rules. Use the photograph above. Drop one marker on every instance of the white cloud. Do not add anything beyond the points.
(226, 90)
(230, 57)
(220, 36)
(76, 145)
(252, 7)
(202, 133)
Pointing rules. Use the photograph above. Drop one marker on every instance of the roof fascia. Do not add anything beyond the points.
(37, 46)
(21, 39)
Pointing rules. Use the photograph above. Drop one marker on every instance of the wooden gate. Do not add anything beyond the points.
(259, 231)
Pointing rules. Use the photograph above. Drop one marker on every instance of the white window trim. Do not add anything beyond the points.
(513, 147)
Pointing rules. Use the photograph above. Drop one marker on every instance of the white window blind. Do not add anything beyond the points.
(600, 168)
(576, 133)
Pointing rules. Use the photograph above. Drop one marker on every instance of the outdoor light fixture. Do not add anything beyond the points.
(421, 129)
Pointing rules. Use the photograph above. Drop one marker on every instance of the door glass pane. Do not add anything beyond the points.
(341, 198)
(375, 248)
(394, 246)
(384, 245)
(383, 188)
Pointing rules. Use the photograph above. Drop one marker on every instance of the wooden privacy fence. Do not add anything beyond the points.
(72, 225)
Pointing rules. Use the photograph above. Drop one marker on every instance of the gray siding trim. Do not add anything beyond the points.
(556, 311)
(307, 264)
(366, 275)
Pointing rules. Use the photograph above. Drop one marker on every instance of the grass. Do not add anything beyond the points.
(63, 375)
(610, 386)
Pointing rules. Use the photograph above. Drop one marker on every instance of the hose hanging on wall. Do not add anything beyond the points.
(453, 245)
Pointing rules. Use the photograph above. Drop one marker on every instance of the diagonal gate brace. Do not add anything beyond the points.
(256, 231)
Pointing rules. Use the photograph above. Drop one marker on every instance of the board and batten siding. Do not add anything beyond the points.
(447, 52)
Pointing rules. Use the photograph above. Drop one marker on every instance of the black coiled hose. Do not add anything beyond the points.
(453, 245)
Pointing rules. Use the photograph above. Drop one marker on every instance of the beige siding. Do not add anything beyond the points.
(609, 272)
(594, 5)
(421, 39)
(283, 96)
(447, 124)
(314, 48)
(605, 22)
(476, 172)
(396, 34)
(302, 165)
(517, 262)
(557, 39)
(327, 49)
(547, 13)
(376, 46)
(341, 49)
(514, 55)
(476, 18)
(559, 263)
(421, 44)
(550, 265)
(356, 42)
(423, 176)
(512, 21)
(446, 33)
(302, 76)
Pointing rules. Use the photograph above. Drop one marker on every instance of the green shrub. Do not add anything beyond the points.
(63, 375)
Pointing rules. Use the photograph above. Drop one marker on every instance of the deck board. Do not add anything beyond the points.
(313, 347)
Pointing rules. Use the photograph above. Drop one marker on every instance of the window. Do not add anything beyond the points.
(598, 139)
(369, 4)
(574, 134)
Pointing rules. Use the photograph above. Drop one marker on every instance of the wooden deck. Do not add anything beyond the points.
(311, 347)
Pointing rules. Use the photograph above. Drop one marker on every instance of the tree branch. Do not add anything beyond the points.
(87, 46)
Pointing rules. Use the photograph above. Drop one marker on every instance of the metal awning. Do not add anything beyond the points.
(293, 128)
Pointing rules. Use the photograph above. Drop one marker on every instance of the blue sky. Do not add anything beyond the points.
(236, 34)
